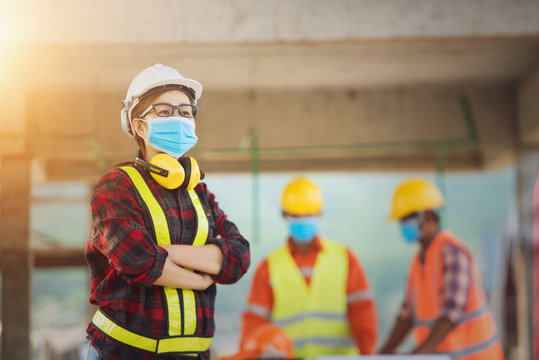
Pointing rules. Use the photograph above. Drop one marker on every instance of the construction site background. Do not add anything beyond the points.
(357, 94)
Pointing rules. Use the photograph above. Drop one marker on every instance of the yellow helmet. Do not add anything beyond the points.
(415, 195)
(302, 197)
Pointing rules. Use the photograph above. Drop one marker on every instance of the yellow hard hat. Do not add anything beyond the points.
(415, 195)
(302, 197)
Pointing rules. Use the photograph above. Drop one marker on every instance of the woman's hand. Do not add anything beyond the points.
(207, 281)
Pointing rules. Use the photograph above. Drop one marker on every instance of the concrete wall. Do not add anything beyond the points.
(203, 21)
(359, 129)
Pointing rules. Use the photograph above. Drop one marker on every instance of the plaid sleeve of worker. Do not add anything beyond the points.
(235, 248)
(456, 280)
(119, 234)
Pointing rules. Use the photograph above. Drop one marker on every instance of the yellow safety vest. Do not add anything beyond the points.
(314, 316)
(178, 341)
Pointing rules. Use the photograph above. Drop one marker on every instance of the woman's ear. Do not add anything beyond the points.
(139, 127)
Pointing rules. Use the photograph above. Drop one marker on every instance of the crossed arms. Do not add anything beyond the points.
(206, 259)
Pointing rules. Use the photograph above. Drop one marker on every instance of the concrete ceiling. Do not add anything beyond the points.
(346, 64)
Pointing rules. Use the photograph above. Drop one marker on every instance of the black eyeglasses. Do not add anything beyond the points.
(164, 110)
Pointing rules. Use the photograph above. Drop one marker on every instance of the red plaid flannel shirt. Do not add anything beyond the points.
(125, 261)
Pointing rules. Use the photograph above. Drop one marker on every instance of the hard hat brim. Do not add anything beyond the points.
(394, 217)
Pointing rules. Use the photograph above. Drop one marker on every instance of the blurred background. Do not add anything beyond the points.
(357, 94)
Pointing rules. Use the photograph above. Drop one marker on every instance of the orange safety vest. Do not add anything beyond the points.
(474, 337)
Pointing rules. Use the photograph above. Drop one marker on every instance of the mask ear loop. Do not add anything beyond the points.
(136, 132)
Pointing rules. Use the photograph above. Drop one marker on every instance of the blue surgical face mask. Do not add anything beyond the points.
(303, 229)
(410, 230)
(173, 135)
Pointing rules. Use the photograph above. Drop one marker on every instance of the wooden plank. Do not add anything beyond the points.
(16, 259)
(62, 168)
(59, 257)
(56, 256)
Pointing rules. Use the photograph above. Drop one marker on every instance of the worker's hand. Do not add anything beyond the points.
(206, 281)
(169, 248)
(385, 351)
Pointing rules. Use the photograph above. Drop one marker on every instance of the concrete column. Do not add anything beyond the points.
(527, 170)
(527, 166)
(16, 259)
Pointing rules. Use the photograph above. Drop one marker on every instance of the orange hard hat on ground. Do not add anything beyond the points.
(267, 341)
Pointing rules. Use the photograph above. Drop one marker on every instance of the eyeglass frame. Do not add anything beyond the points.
(174, 107)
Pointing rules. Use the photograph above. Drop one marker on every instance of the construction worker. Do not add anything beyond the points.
(445, 303)
(158, 241)
(313, 288)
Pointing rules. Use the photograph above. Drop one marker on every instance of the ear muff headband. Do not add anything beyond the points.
(146, 166)
(171, 173)
(190, 165)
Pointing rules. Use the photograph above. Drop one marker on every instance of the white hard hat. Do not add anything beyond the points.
(156, 76)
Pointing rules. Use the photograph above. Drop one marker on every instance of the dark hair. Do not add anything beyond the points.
(143, 104)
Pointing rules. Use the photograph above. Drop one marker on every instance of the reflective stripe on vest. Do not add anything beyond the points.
(313, 315)
(323, 342)
(466, 317)
(160, 346)
(189, 304)
(172, 299)
(359, 296)
(258, 310)
(473, 349)
(287, 321)
(474, 335)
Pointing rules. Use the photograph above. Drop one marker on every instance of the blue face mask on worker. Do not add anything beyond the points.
(173, 135)
(410, 229)
(303, 229)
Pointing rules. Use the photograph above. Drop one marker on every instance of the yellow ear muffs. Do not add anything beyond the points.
(171, 173)
(192, 172)
(175, 174)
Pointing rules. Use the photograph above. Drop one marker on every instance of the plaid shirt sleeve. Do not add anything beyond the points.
(235, 249)
(119, 233)
(456, 281)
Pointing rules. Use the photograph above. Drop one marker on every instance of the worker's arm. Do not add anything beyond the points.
(259, 302)
(402, 325)
(361, 307)
(398, 333)
(118, 232)
(177, 277)
(207, 258)
(441, 328)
